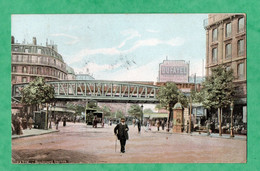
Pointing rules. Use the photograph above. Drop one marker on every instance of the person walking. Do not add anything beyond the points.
(163, 123)
(121, 131)
(57, 123)
(158, 125)
(139, 126)
(30, 122)
(64, 120)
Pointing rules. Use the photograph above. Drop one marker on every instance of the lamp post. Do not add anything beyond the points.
(142, 116)
(231, 127)
(190, 115)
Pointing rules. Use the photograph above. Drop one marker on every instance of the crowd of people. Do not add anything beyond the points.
(20, 123)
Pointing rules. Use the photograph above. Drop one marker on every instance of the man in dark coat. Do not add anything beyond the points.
(121, 131)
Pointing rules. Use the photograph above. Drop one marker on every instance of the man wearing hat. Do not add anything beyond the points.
(121, 131)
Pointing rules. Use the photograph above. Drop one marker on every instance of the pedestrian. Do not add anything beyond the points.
(64, 120)
(121, 131)
(163, 123)
(57, 122)
(139, 126)
(18, 126)
(30, 122)
(158, 125)
(24, 122)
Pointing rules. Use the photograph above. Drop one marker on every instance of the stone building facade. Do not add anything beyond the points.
(32, 60)
(226, 45)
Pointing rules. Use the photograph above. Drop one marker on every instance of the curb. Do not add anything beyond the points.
(30, 135)
(223, 137)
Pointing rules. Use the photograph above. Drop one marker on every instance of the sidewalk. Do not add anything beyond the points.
(34, 132)
(212, 135)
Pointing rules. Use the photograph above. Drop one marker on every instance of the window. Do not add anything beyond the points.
(214, 55)
(240, 47)
(26, 50)
(14, 69)
(228, 51)
(228, 68)
(24, 79)
(215, 35)
(240, 71)
(228, 30)
(241, 25)
(39, 51)
(24, 70)
(25, 58)
(20, 58)
(13, 78)
(33, 70)
(39, 71)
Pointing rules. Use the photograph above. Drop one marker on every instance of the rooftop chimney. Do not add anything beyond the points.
(12, 40)
(34, 41)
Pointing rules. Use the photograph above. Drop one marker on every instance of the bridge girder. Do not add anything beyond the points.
(102, 91)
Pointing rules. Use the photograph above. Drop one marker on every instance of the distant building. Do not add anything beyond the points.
(226, 45)
(174, 71)
(32, 60)
(71, 73)
(84, 77)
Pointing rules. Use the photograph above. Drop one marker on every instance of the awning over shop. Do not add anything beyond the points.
(59, 109)
(155, 115)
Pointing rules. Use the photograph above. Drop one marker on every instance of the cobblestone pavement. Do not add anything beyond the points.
(78, 143)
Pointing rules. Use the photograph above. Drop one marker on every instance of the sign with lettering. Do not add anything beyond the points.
(174, 70)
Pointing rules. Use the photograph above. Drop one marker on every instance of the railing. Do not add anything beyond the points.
(111, 91)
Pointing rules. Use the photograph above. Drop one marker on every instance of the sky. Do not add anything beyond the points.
(120, 47)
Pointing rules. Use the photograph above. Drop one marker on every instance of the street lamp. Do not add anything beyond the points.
(142, 116)
(231, 127)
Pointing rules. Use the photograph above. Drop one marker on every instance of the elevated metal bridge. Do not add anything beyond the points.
(101, 91)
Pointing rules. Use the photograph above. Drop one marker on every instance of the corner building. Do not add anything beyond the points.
(32, 60)
(226, 45)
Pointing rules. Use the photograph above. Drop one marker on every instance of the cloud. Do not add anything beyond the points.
(152, 31)
(155, 42)
(73, 39)
(131, 34)
(116, 51)
(95, 68)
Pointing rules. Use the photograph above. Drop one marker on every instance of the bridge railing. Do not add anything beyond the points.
(100, 90)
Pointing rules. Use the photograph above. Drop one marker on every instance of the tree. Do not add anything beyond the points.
(135, 110)
(148, 111)
(169, 95)
(106, 111)
(119, 114)
(218, 90)
(37, 92)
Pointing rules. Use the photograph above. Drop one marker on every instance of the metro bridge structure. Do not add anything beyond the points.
(99, 90)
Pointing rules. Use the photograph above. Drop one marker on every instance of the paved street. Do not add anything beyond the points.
(78, 143)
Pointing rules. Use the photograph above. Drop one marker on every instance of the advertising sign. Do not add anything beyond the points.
(174, 70)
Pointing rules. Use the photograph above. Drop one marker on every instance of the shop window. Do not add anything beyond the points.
(215, 35)
(240, 71)
(228, 51)
(228, 30)
(214, 55)
(241, 25)
(241, 47)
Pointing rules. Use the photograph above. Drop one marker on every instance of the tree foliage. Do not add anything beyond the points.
(218, 89)
(169, 95)
(106, 111)
(37, 92)
(148, 111)
(135, 110)
(119, 114)
(77, 108)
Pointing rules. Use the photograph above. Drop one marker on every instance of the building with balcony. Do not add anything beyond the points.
(226, 45)
(32, 60)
